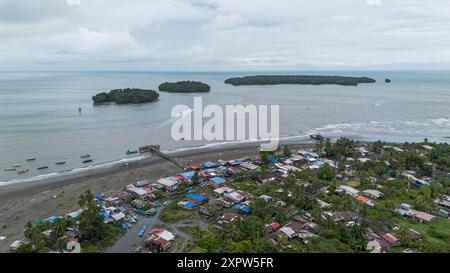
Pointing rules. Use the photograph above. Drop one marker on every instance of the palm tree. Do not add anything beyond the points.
(30, 231)
(86, 200)
(39, 241)
(59, 228)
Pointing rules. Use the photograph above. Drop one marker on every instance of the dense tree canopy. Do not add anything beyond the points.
(184, 87)
(128, 95)
(297, 79)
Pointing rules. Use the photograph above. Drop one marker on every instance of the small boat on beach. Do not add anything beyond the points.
(87, 161)
(22, 172)
(316, 137)
(85, 156)
(31, 159)
(142, 231)
(60, 163)
(10, 169)
(42, 168)
(131, 151)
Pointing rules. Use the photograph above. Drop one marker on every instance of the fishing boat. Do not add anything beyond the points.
(151, 212)
(87, 161)
(22, 171)
(142, 231)
(42, 168)
(85, 156)
(316, 137)
(31, 159)
(131, 151)
(10, 169)
(60, 163)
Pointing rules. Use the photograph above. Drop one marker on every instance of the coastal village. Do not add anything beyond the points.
(344, 196)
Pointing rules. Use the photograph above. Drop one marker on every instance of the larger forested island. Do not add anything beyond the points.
(184, 87)
(127, 95)
(297, 79)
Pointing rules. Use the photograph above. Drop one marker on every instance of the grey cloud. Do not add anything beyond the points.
(223, 34)
(30, 11)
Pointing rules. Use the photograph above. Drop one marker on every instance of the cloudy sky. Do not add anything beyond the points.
(224, 34)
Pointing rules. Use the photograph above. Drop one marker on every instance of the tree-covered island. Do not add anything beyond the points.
(127, 95)
(184, 87)
(297, 79)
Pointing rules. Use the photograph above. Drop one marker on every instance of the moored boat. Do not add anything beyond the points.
(42, 168)
(87, 161)
(142, 231)
(316, 137)
(131, 151)
(16, 166)
(60, 163)
(85, 156)
(10, 169)
(31, 159)
(22, 171)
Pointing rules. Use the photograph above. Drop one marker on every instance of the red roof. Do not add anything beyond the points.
(362, 199)
(390, 237)
(275, 226)
(424, 216)
(156, 230)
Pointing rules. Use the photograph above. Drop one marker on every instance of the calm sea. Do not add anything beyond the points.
(39, 113)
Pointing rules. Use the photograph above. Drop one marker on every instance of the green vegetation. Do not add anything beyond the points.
(184, 87)
(128, 95)
(297, 79)
(299, 192)
(93, 233)
(172, 213)
(91, 228)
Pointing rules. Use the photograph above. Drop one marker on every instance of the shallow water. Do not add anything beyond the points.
(39, 113)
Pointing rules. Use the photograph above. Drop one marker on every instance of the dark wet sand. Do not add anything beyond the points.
(24, 202)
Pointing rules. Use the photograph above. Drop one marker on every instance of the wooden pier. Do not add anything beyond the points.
(155, 149)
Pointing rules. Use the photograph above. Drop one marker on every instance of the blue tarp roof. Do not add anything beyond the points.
(218, 180)
(99, 197)
(187, 175)
(272, 159)
(74, 214)
(196, 197)
(243, 208)
(319, 162)
(51, 219)
(210, 164)
(190, 204)
(104, 214)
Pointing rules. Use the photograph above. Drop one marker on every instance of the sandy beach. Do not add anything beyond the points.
(23, 202)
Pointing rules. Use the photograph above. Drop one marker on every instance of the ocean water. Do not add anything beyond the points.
(39, 113)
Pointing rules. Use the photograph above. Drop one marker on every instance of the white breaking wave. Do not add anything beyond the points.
(72, 171)
(172, 119)
(439, 125)
(428, 126)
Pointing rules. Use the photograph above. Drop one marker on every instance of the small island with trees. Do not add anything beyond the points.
(127, 95)
(298, 79)
(184, 87)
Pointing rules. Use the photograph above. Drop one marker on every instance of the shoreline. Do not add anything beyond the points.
(116, 166)
(23, 202)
